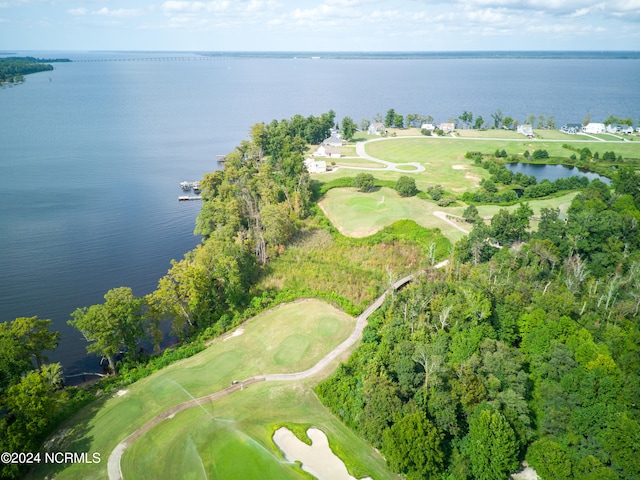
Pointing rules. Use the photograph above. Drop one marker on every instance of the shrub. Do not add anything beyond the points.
(540, 154)
(364, 182)
(406, 186)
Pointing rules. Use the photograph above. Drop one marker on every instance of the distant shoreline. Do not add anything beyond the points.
(392, 55)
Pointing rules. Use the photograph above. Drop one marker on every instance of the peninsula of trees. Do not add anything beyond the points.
(13, 69)
(525, 346)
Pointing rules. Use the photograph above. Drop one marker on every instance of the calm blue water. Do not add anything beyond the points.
(91, 154)
(553, 172)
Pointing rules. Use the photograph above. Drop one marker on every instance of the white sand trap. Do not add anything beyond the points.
(236, 333)
(120, 393)
(460, 167)
(318, 459)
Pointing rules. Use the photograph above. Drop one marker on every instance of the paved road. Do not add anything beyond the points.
(113, 465)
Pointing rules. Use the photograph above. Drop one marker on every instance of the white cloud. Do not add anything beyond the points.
(175, 6)
(119, 12)
(77, 11)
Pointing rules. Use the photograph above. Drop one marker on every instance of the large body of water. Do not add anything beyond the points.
(91, 153)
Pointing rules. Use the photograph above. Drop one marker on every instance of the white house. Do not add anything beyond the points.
(613, 128)
(315, 166)
(333, 141)
(327, 151)
(525, 129)
(376, 129)
(594, 128)
(626, 129)
(572, 128)
(447, 127)
(428, 126)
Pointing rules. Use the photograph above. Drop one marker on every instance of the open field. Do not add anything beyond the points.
(432, 149)
(289, 338)
(354, 161)
(359, 214)
(469, 133)
(231, 438)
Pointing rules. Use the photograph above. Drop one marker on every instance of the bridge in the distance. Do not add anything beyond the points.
(152, 59)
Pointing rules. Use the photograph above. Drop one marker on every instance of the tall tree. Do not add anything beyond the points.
(348, 128)
(390, 118)
(113, 326)
(491, 444)
(413, 446)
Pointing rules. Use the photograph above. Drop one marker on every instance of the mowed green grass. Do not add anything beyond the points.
(232, 439)
(292, 337)
(427, 149)
(358, 214)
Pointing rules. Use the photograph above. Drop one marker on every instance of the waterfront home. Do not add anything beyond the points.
(526, 130)
(594, 128)
(333, 141)
(626, 129)
(447, 127)
(376, 129)
(571, 128)
(430, 127)
(315, 166)
(327, 151)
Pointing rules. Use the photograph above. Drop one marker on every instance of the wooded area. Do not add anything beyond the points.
(525, 346)
(529, 352)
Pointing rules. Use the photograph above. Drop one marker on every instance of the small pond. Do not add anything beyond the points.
(553, 172)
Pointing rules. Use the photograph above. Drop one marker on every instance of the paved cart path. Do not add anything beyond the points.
(113, 465)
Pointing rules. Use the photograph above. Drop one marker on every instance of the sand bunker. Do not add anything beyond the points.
(120, 393)
(318, 459)
(237, 332)
(460, 167)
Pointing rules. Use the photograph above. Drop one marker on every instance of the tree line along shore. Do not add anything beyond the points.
(14, 69)
(523, 348)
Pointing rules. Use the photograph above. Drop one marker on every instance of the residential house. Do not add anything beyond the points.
(376, 129)
(327, 151)
(428, 126)
(525, 129)
(571, 128)
(447, 127)
(315, 166)
(613, 128)
(594, 128)
(626, 129)
(333, 141)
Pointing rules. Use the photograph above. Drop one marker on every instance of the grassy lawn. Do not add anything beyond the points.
(361, 214)
(358, 214)
(469, 133)
(231, 439)
(289, 338)
(357, 162)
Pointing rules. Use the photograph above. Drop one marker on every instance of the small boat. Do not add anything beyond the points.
(185, 186)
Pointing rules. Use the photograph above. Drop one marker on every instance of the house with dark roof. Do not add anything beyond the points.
(571, 128)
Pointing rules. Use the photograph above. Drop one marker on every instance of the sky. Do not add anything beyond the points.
(319, 25)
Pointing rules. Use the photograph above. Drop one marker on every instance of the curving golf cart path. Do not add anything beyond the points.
(113, 465)
(394, 167)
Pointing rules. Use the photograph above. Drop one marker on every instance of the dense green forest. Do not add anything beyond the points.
(525, 346)
(13, 69)
(530, 351)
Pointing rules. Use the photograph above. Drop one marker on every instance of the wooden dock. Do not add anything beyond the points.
(188, 198)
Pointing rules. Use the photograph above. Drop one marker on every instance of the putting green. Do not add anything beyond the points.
(290, 338)
(231, 438)
(358, 214)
